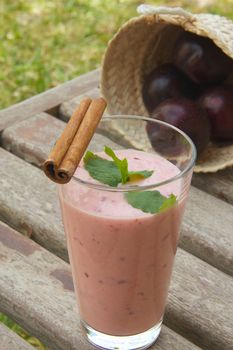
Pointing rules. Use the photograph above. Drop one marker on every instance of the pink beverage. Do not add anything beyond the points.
(121, 256)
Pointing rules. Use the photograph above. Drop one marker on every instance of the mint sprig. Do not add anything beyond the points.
(115, 171)
(150, 201)
(111, 172)
(102, 170)
(122, 165)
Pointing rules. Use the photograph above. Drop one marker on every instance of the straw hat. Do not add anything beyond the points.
(146, 42)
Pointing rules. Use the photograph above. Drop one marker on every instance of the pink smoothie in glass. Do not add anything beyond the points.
(121, 257)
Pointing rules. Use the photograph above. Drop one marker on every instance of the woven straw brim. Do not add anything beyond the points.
(146, 42)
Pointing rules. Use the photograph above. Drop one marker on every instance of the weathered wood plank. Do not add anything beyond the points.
(203, 232)
(11, 341)
(67, 108)
(207, 230)
(219, 184)
(49, 311)
(195, 303)
(28, 202)
(32, 139)
(48, 99)
(171, 340)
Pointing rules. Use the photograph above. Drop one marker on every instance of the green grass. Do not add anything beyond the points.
(46, 42)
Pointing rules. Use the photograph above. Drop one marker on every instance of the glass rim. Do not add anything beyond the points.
(128, 188)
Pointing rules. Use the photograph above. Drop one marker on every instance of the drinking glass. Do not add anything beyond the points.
(121, 256)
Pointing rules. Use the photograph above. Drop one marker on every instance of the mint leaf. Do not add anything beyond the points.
(139, 175)
(111, 172)
(89, 155)
(168, 203)
(150, 201)
(122, 165)
(102, 170)
(123, 168)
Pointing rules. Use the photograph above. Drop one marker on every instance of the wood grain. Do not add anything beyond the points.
(48, 99)
(67, 108)
(203, 232)
(207, 229)
(33, 139)
(219, 184)
(196, 303)
(28, 201)
(11, 341)
(49, 311)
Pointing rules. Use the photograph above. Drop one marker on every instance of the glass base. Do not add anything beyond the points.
(131, 342)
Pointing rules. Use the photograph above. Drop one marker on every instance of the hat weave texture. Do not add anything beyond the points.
(147, 41)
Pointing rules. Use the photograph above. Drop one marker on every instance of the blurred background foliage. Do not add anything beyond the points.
(44, 43)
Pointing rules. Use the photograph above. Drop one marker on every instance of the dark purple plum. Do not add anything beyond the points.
(165, 82)
(217, 103)
(186, 116)
(201, 60)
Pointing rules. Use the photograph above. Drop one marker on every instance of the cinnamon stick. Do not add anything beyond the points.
(62, 145)
(70, 147)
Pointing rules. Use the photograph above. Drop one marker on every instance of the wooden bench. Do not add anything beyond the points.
(11, 341)
(36, 287)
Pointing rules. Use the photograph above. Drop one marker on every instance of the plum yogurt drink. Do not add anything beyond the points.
(121, 257)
